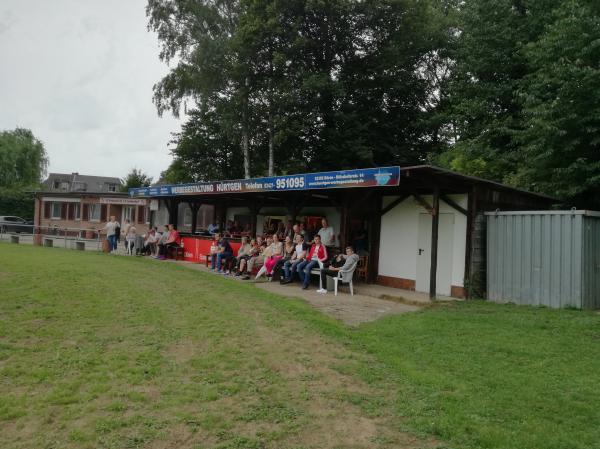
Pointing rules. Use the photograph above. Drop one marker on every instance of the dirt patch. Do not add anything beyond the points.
(352, 310)
(182, 351)
(310, 369)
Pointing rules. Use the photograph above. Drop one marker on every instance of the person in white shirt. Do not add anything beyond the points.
(327, 234)
(111, 233)
(125, 231)
(130, 239)
(299, 254)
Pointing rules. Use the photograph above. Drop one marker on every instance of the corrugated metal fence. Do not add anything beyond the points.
(549, 258)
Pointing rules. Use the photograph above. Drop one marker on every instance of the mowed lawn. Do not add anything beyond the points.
(100, 351)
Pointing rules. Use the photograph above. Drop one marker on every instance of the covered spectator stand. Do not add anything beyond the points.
(420, 227)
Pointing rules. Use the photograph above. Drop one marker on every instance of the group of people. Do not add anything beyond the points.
(154, 243)
(157, 244)
(281, 229)
(114, 233)
(291, 254)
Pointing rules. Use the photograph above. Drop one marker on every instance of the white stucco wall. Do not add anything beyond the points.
(400, 236)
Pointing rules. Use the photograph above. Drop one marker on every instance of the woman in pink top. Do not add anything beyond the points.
(277, 254)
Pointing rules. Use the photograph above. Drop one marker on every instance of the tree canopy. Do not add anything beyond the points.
(23, 164)
(522, 97)
(503, 89)
(23, 159)
(297, 84)
(135, 178)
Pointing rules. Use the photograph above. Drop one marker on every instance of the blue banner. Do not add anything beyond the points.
(366, 177)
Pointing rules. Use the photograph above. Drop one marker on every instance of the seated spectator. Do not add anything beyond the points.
(130, 239)
(271, 261)
(224, 252)
(316, 257)
(258, 261)
(150, 242)
(327, 233)
(288, 251)
(280, 230)
(350, 261)
(296, 232)
(299, 255)
(289, 231)
(163, 239)
(234, 262)
(214, 250)
(302, 229)
(212, 228)
(255, 245)
(173, 241)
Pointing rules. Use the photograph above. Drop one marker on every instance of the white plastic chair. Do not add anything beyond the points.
(338, 278)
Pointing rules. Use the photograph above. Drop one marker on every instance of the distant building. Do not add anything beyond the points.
(81, 202)
(74, 182)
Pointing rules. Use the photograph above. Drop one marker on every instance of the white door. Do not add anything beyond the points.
(444, 257)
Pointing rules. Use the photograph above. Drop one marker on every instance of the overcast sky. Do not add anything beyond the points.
(79, 74)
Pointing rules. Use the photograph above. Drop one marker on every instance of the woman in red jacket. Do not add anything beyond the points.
(316, 256)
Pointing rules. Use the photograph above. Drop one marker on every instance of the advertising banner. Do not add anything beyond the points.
(366, 177)
(196, 249)
(124, 201)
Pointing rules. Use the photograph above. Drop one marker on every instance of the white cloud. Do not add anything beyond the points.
(79, 74)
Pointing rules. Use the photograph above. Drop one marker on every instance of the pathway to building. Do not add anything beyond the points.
(369, 303)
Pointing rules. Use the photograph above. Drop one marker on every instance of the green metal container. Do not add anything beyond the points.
(544, 258)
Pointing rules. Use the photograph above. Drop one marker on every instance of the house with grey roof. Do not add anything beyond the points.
(74, 182)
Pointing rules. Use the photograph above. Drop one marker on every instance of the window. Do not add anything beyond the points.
(112, 187)
(61, 185)
(128, 213)
(79, 186)
(56, 208)
(94, 212)
(205, 216)
(76, 211)
(187, 217)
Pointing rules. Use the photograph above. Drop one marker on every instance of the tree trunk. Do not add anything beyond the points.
(245, 138)
(271, 144)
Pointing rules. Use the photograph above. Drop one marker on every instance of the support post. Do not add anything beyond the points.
(435, 221)
(374, 233)
(195, 207)
(255, 206)
(173, 208)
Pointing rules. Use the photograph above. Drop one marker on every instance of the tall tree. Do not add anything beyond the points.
(518, 99)
(135, 178)
(560, 137)
(210, 68)
(23, 164)
(312, 84)
(23, 159)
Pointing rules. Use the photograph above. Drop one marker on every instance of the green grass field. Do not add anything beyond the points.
(100, 351)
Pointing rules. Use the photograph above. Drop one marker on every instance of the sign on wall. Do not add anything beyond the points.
(367, 177)
(124, 201)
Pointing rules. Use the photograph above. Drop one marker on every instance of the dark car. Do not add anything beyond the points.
(9, 223)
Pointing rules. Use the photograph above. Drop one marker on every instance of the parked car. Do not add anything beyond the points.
(10, 223)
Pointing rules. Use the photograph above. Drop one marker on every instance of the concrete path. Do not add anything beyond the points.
(364, 306)
(352, 310)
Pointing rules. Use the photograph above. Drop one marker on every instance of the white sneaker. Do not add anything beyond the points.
(322, 291)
